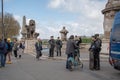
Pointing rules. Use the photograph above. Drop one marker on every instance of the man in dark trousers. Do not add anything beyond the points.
(97, 55)
(51, 46)
(58, 46)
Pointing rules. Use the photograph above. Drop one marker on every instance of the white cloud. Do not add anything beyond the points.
(90, 19)
(55, 3)
(89, 8)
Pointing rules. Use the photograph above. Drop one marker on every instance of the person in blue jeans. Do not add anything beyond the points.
(2, 53)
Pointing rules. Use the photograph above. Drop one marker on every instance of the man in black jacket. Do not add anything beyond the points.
(51, 46)
(58, 46)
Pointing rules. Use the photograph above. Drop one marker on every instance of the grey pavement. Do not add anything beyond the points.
(28, 68)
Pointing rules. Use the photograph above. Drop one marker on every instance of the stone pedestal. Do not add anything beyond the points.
(105, 46)
(64, 46)
(30, 46)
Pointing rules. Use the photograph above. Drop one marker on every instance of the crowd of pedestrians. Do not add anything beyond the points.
(8, 48)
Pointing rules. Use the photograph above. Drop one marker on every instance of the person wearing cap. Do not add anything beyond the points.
(38, 47)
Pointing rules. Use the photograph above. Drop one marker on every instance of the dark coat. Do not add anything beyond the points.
(51, 43)
(38, 46)
(71, 46)
(94, 47)
(59, 44)
(3, 49)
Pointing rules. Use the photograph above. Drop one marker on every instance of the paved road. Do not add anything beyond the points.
(28, 68)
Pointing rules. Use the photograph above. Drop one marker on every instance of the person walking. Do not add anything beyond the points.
(9, 50)
(58, 46)
(20, 49)
(51, 46)
(15, 48)
(70, 49)
(2, 53)
(38, 47)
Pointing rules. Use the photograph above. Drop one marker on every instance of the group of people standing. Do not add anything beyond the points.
(73, 47)
(7, 47)
(54, 45)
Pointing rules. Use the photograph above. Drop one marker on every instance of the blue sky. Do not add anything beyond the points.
(81, 17)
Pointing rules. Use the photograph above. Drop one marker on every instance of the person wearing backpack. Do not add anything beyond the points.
(58, 46)
(38, 47)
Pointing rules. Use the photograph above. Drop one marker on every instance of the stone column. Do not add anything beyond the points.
(109, 12)
(24, 31)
